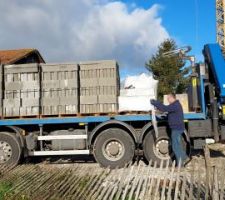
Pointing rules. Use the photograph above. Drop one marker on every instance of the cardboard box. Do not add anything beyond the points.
(183, 98)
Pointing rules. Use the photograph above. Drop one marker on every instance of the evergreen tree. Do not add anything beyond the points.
(168, 70)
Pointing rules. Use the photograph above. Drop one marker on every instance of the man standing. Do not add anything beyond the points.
(176, 124)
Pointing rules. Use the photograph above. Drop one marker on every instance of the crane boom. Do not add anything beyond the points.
(220, 23)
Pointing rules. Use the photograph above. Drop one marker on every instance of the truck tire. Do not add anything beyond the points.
(160, 149)
(114, 148)
(10, 149)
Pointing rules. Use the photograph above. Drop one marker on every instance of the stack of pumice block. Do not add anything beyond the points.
(99, 86)
(59, 89)
(21, 90)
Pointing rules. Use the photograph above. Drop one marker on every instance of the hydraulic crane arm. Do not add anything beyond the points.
(216, 63)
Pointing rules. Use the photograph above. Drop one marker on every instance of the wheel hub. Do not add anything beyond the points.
(113, 150)
(162, 149)
(5, 151)
(163, 146)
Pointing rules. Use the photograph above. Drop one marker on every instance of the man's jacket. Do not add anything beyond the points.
(175, 114)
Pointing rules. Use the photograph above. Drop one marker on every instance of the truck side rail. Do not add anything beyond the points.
(89, 119)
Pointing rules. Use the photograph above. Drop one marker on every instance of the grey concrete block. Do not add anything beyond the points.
(29, 110)
(1, 74)
(50, 84)
(60, 88)
(18, 85)
(15, 94)
(68, 109)
(107, 99)
(21, 81)
(108, 82)
(89, 82)
(11, 111)
(99, 73)
(89, 91)
(89, 108)
(49, 110)
(108, 90)
(13, 85)
(31, 85)
(98, 108)
(30, 102)
(100, 64)
(68, 100)
(108, 108)
(55, 93)
(68, 83)
(51, 93)
(11, 77)
(61, 75)
(99, 69)
(11, 94)
(1, 85)
(29, 76)
(88, 99)
(21, 68)
(49, 76)
(72, 92)
(29, 94)
(50, 101)
(49, 67)
(67, 75)
(59, 109)
(10, 103)
(99, 90)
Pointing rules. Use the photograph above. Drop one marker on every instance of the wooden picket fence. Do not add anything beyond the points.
(157, 181)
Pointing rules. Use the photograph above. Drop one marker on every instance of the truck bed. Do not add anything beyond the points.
(88, 119)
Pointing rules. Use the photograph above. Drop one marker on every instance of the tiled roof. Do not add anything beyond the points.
(11, 56)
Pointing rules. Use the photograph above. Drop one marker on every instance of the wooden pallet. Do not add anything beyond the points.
(75, 115)
(134, 113)
(59, 115)
(21, 117)
(97, 114)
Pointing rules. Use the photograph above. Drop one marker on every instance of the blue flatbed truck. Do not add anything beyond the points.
(116, 139)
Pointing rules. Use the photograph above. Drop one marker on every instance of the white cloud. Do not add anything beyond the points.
(76, 30)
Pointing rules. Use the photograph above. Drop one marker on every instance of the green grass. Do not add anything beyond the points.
(126, 198)
(84, 182)
(5, 194)
(4, 188)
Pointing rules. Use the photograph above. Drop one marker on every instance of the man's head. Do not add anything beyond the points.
(171, 98)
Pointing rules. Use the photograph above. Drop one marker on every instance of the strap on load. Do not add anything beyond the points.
(154, 123)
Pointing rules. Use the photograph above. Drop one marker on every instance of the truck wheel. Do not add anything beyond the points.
(114, 148)
(160, 149)
(10, 149)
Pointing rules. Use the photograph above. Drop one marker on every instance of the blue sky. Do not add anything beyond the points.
(189, 22)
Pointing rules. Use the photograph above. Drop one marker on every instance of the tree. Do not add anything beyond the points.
(168, 70)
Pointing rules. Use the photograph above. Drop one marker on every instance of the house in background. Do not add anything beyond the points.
(20, 56)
